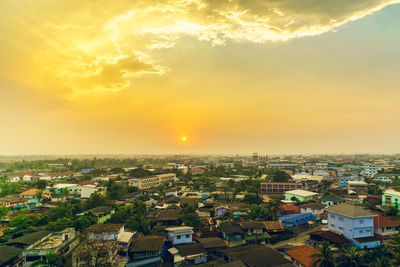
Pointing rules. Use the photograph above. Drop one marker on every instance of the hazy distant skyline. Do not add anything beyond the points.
(133, 77)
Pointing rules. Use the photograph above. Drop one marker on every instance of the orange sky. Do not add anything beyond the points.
(233, 76)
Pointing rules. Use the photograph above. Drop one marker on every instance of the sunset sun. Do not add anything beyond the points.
(184, 138)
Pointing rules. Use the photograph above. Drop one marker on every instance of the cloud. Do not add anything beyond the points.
(86, 46)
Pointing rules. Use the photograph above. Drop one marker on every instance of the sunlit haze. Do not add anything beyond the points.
(199, 76)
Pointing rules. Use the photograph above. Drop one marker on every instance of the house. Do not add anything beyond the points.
(61, 188)
(288, 209)
(58, 243)
(232, 233)
(391, 197)
(180, 235)
(188, 254)
(26, 176)
(10, 256)
(274, 227)
(29, 239)
(300, 195)
(14, 203)
(103, 213)
(383, 177)
(211, 244)
(255, 232)
(330, 200)
(384, 226)
(344, 180)
(146, 251)
(335, 239)
(357, 187)
(290, 220)
(220, 209)
(355, 223)
(152, 181)
(168, 217)
(57, 176)
(239, 209)
(301, 255)
(314, 208)
(278, 188)
(83, 191)
(33, 196)
(255, 256)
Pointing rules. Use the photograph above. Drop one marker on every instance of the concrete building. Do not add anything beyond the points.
(152, 181)
(180, 235)
(391, 197)
(278, 188)
(300, 195)
(370, 169)
(355, 223)
(344, 180)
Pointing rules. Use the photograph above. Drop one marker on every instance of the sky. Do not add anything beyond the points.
(233, 76)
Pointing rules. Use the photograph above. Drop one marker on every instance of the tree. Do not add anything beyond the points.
(190, 216)
(139, 173)
(41, 184)
(351, 257)
(394, 249)
(324, 257)
(39, 195)
(280, 177)
(390, 211)
(96, 200)
(273, 206)
(51, 259)
(251, 199)
(3, 211)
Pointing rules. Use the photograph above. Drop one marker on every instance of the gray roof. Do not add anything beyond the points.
(8, 253)
(148, 243)
(350, 211)
(331, 198)
(31, 238)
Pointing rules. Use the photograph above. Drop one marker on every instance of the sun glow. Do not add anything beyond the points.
(184, 138)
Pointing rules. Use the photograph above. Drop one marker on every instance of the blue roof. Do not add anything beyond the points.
(297, 218)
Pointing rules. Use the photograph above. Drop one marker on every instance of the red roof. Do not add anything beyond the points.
(302, 254)
(33, 192)
(382, 221)
(87, 183)
(290, 208)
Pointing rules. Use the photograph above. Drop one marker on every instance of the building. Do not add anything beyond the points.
(383, 177)
(370, 169)
(146, 251)
(58, 243)
(343, 181)
(14, 203)
(232, 234)
(331, 200)
(391, 197)
(61, 188)
(314, 208)
(357, 187)
(152, 181)
(83, 191)
(188, 254)
(180, 235)
(300, 195)
(283, 165)
(255, 232)
(278, 188)
(57, 176)
(301, 256)
(384, 226)
(103, 213)
(355, 223)
(295, 219)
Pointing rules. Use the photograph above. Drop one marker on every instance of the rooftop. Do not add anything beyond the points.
(382, 221)
(350, 211)
(301, 193)
(148, 243)
(302, 254)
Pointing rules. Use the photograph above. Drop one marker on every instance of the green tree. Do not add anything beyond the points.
(324, 257)
(279, 177)
(251, 199)
(3, 211)
(390, 211)
(351, 257)
(41, 184)
(190, 216)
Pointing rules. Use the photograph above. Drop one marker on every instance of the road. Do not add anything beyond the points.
(299, 239)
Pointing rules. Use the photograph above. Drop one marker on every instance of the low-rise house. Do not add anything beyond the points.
(288, 209)
(391, 197)
(290, 220)
(384, 226)
(344, 180)
(26, 176)
(274, 227)
(103, 213)
(301, 256)
(211, 244)
(60, 189)
(383, 177)
(357, 187)
(355, 223)
(57, 176)
(255, 232)
(146, 251)
(14, 203)
(168, 217)
(29, 239)
(83, 191)
(35, 196)
(180, 235)
(300, 195)
(239, 209)
(331, 200)
(57, 243)
(10, 256)
(188, 254)
(314, 208)
(220, 209)
(335, 239)
(232, 233)
(255, 256)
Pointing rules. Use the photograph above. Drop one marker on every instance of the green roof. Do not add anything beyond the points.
(8, 253)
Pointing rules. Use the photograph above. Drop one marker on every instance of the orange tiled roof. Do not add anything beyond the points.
(302, 254)
(33, 192)
(382, 221)
(290, 208)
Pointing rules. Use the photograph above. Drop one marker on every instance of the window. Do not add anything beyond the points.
(388, 228)
(178, 237)
(341, 219)
(368, 230)
(361, 231)
(187, 236)
(333, 216)
(332, 225)
(361, 221)
(340, 228)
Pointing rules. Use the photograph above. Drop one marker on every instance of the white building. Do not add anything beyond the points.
(83, 191)
(370, 169)
(180, 235)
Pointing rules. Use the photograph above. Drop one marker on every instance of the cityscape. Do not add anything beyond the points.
(199, 133)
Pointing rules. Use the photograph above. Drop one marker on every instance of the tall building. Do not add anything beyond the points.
(255, 157)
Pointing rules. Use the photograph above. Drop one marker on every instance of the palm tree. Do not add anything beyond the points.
(351, 257)
(324, 255)
(378, 257)
(394, 249)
